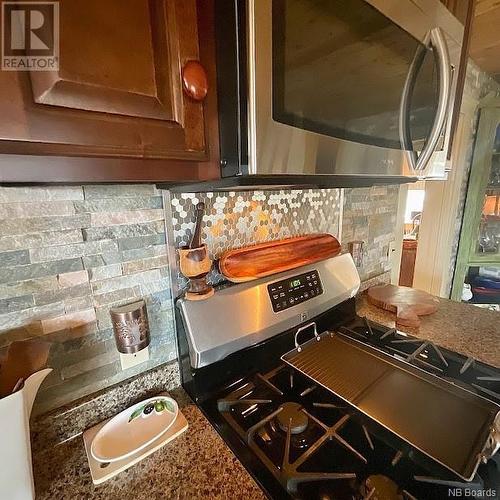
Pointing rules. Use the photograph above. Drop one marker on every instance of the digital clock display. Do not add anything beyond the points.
(294, 290)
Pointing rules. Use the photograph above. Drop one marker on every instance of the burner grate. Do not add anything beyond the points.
(317, 446)
(269, 429)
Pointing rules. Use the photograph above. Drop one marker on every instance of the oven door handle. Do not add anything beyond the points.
(301, 329)
(435, 39)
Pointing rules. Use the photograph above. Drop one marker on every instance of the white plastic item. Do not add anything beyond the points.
(467, 292)
(16, 473)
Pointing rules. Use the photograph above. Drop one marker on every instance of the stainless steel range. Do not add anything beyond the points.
(296, 437)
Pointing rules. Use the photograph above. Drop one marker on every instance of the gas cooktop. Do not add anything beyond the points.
(297, 439)
(316, 446)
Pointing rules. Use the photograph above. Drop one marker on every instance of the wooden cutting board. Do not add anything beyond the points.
(258, 261)
(408, 303)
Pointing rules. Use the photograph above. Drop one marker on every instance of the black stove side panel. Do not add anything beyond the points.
(183, 354)
(204, 383)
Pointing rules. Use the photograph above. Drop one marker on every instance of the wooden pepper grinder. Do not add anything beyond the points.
(195, 263)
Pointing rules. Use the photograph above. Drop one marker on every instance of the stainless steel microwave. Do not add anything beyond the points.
(334, 92)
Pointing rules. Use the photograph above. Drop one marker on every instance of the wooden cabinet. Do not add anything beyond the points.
(127, 102)
(485, 40)
(463, 10)
(459, 8)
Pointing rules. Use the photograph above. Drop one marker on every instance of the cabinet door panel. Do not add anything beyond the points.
(118, 91)
(93, 75)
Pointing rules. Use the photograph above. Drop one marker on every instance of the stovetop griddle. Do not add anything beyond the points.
(450, 424)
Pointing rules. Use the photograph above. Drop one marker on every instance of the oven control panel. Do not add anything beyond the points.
(293, 291)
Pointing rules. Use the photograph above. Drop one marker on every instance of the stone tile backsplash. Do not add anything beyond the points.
(68, 254)
(369, 215)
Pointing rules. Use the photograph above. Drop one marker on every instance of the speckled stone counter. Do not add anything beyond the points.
(198, 464)
(461, 327)
(195, 465)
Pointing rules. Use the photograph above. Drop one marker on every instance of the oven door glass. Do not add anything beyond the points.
(340, 68)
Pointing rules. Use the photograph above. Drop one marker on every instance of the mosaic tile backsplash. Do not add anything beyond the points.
(68, 254)
(237, 219)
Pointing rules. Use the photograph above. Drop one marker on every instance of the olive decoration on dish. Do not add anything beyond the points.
(159, 406)
(148, 409)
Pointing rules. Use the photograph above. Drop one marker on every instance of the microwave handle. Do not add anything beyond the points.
(436, 39)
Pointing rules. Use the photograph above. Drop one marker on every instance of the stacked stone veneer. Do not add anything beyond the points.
(370, 215)
(68, 254)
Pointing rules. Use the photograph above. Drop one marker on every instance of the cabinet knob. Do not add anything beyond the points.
(195, 81)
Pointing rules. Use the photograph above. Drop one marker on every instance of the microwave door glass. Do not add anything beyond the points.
(339, 69)
(423, 101)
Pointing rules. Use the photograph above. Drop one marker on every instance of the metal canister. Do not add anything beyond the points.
(131, 327)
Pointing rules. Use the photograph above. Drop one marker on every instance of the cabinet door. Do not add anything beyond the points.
(119, 91)
(459, 8)
(479, 246)
(463, 10)
(486, 244)
(408, 257)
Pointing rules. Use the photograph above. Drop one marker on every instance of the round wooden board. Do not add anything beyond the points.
(408, 303)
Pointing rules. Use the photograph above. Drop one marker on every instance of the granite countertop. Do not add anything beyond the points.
(198, 464)
(461, 327)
